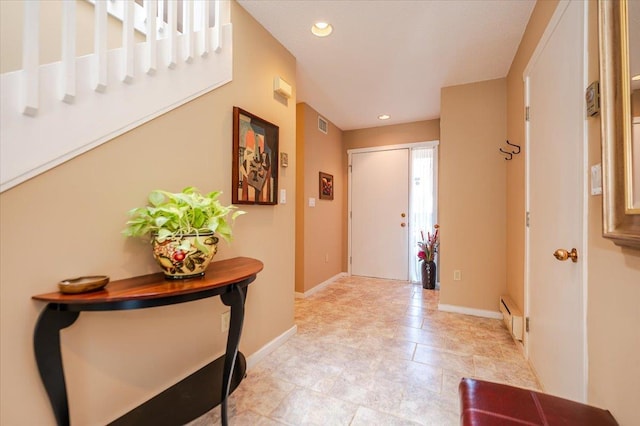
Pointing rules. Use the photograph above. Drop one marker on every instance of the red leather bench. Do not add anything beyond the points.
(488, 404)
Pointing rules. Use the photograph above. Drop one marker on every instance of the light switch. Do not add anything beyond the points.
(283, 196)
(596, 179)
(312, 202)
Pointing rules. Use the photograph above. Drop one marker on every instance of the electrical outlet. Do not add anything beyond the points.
(457, 275)
(326, 258)
(225, 319)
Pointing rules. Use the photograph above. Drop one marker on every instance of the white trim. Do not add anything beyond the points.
(434, 145)
(172, 45)
(585, 208)
(320, 286)
(128, 42)
(26, 145)
(426, 144)
(68, 82)
(527, 209)
(553, 23)
(271, 346)
(470, 311)
(550, 29)
(349, 209)
(30, 59)
(151, 37)
(100, 51)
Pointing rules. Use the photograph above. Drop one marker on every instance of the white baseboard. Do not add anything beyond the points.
(320, 286)
(470, 311)
(261, 353)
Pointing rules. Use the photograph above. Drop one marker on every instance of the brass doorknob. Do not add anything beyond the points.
(403, 224)
(403, 215)
(562, 255)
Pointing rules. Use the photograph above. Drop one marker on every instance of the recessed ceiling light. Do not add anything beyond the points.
(383, 117)
(322, 29)
(635, 77)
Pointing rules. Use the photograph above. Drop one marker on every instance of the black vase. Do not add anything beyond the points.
(428, 274)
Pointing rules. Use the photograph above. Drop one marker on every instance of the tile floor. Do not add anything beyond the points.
(374, 352)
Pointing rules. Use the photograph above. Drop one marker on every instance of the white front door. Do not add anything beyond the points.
(379, 199)
(555, 194)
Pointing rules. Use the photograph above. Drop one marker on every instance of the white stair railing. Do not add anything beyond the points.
(50, 113)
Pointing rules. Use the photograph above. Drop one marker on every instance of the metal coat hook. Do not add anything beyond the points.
(517, 146)
(510, 154)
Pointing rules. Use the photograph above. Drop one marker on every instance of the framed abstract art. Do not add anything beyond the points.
(255, 159)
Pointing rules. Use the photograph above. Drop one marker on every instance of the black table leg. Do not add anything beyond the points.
(46, 345)
(234, 299)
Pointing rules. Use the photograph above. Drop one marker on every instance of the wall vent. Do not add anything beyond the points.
(512, 316)
(323, 125)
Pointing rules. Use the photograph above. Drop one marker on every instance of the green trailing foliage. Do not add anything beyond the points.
(170, 215)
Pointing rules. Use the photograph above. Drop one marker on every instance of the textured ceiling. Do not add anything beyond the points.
(392, 56)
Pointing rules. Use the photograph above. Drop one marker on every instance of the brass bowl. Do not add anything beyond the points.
(83, 284)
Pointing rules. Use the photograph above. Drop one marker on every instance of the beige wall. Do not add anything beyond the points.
(418, 131)
(472, 194)
(613, 288)
(320, 253)
(50, 37)
(67, 223)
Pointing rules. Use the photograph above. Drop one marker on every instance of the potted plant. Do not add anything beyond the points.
(183, 227)
(426, 255)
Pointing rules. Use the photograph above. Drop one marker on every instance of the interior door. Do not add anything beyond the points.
(556, 341)
(379, 212)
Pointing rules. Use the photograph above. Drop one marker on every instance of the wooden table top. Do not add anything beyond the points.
(155, 286)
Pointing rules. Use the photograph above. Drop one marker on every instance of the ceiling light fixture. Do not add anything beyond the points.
(383, 117)
(321, 29)
(636, 77)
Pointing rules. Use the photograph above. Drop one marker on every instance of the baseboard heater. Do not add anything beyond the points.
(512, 316)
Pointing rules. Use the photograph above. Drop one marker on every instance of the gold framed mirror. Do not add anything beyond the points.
(619, 28)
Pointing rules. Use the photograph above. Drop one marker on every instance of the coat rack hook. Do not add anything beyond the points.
(510, 155)
(517, 146)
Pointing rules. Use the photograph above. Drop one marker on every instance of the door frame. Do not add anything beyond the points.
(426, 144)
(583, 250)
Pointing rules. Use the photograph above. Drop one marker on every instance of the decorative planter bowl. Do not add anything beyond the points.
(185, 256)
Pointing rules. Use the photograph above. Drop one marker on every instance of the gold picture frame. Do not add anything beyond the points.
(621, 214)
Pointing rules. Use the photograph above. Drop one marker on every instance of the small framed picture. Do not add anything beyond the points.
(326, 186)
(255, 159)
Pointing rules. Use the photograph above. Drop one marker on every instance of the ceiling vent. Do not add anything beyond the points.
(323, 126)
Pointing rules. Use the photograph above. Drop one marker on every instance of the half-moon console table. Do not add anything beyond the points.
(227, 278)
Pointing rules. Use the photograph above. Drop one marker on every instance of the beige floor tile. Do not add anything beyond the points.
(249, 418)
(424, 337)
(260, 394)
(383, 395)
(368, 417)
(452, 361)
(427, 408)
(361, 357)
(307, 407)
